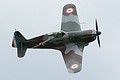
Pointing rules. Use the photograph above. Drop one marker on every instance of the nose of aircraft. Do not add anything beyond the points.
(98, 33)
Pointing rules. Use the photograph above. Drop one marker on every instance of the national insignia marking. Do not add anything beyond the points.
(74, 66)
(69, 10)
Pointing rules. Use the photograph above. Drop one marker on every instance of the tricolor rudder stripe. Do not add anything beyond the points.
(14, 42)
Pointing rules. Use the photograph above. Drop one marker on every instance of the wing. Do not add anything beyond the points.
(70, 21)
(72, 54)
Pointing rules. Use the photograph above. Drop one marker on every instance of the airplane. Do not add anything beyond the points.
(70, 40)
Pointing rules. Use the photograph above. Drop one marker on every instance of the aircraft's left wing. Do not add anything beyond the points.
(70, 21)
(72, 54)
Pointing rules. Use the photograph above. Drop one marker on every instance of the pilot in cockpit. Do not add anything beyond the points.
(58, 34)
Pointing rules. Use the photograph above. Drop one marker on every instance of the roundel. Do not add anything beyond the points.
(74, 66)
(69, 10)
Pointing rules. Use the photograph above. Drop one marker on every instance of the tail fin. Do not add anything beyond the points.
(18, 42)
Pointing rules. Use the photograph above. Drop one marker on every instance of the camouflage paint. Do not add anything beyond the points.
(70, 40)
(70, 21)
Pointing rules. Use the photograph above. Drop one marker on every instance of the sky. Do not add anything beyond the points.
(36, 17)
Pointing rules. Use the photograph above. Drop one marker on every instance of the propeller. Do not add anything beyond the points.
(97, 33)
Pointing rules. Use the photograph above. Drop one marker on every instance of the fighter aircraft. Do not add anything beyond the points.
(70, 40)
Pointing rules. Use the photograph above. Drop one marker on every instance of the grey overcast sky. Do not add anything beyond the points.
(36, 17)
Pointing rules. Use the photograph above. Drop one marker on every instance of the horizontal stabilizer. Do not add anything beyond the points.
(21, 51)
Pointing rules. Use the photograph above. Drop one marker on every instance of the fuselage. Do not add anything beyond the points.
(70, 40)
(74, 36)
(58, 38)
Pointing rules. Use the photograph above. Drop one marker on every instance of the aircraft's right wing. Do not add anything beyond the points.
(70, 21)
(72, 54)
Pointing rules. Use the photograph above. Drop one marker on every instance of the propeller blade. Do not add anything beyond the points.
(96, 25)
(98, 39)
(97, 33)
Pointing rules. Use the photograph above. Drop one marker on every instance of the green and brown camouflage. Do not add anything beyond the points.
(71, 40)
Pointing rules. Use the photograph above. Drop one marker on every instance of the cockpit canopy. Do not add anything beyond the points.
(57, 34)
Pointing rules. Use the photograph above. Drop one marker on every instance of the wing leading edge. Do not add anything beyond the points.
(70, 21)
